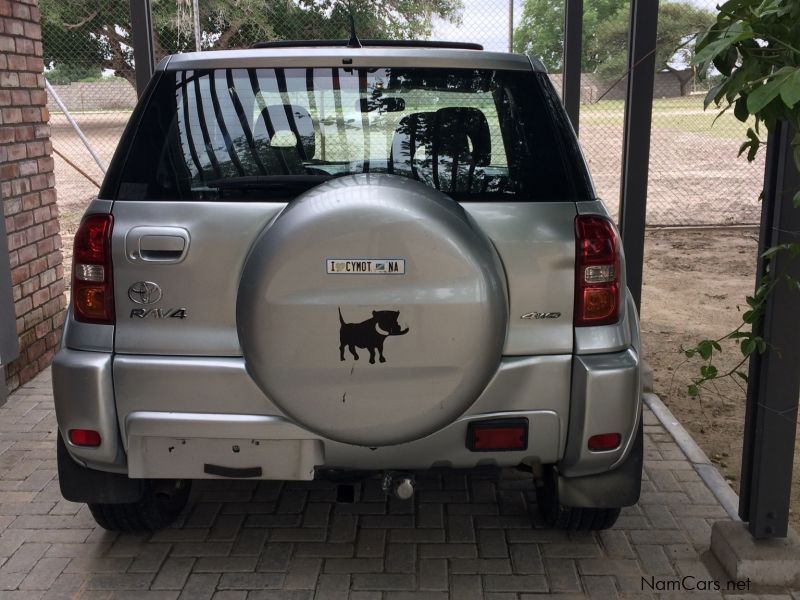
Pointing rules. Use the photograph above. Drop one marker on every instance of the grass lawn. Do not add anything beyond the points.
(682, 114)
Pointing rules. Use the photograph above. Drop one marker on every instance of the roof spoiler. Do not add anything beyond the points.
(384, 43)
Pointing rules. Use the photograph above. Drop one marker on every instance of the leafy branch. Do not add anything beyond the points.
(754, 45)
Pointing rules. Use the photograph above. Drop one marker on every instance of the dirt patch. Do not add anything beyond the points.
(694, 283)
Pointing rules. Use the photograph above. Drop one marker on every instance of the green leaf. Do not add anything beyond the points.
(790, 90)
(739, 334)
(742, 375)
(740, 109)
(711, 96)
(693, 391)
(761, 344)
(736, 32)
(705, 349)
(767, 92)
(689, 353)
(724, 62)
(708, 371)
(796, 200)
(748, 347)
(717, 347)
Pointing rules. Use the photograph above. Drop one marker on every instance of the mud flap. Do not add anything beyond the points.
(620, 487)
(80, 484)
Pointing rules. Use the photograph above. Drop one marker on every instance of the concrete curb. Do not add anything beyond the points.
(695, 455)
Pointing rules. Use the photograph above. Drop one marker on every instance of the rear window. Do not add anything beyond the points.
(271, 133)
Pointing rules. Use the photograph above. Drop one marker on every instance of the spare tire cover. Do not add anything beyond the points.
(422, 299)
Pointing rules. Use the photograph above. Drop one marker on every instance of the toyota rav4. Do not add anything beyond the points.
(321, 258)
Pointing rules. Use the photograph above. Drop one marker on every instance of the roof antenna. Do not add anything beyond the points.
(354, 41)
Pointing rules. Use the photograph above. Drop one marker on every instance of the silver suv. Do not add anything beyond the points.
(315, 260)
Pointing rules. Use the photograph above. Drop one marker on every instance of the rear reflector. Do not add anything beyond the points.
(604, 442)
(497, 435)
(84, 437)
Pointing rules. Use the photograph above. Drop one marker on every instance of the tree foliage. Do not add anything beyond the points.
(605, 35)
(81, 35)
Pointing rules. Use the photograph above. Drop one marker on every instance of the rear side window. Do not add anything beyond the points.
(271, 133)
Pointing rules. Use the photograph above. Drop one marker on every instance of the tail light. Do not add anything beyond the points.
(92, 289)
(597, 271)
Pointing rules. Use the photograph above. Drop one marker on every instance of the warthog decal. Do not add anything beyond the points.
(369, 334)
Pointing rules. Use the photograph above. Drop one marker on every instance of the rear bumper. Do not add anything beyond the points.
(172, 417)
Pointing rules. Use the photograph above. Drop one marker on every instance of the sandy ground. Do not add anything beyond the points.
(694, 284)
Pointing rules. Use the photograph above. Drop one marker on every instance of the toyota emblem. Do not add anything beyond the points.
(144, 292)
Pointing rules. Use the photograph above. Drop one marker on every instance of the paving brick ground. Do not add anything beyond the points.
(465, 536)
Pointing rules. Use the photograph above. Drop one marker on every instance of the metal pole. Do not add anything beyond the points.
(142, 37)
(573, 50)
(510, 25)
(197, 31)
(9, 342)
(774, 379)
(636, 138)
(76, 127)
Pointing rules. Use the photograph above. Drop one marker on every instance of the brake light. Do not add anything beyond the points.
(597, 271)
(92, 289)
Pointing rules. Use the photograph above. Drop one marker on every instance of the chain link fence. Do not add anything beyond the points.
(695, 177)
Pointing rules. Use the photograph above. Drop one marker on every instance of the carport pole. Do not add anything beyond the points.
(636, 138)
(142, 35)
(573, 50)
(774, 379)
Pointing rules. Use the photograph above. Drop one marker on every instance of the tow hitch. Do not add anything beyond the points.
(401, 485)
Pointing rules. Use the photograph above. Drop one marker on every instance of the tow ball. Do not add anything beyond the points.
(400, 485)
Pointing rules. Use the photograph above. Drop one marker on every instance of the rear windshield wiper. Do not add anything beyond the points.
(267, 182)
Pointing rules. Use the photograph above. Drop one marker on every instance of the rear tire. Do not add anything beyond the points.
(159, 506)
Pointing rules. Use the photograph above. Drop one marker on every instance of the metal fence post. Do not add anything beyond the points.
(636, 138)
(9, 342)
(573, 52)
(774, 380)
(142, 36)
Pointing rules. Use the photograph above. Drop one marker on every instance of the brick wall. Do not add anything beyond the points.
(27, 192)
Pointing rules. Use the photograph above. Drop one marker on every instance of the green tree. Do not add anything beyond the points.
(81, 35)
(680, 26)
(605, 36)
(541, 30)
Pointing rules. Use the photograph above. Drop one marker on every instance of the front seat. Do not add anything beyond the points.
(278, 121)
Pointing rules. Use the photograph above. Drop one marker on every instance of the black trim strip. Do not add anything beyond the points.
(362, 89)
(248, 133)
(283, 90)
(189, 136)
(337, 106)
(312, 107)
(201, 116)
(267, 120)
(223, 129)
(233, 472)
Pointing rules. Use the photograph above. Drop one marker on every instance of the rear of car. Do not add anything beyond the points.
(305, 260)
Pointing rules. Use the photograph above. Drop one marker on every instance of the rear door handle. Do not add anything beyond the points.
(164, 245)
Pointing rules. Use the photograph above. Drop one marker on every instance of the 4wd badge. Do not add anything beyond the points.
(365, 266)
